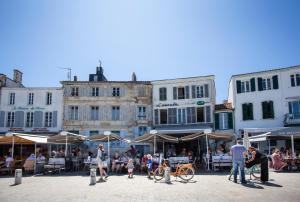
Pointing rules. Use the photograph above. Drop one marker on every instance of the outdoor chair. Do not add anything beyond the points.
(28, 166)
(8, 169)
(55, 164)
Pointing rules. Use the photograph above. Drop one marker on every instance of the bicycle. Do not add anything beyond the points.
(184, 171)
(254, 172)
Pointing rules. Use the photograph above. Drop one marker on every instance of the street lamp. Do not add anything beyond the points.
(154, 132)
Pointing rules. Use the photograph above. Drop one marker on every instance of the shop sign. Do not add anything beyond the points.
(200, 102)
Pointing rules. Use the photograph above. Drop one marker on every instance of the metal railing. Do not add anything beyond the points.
(291, 119)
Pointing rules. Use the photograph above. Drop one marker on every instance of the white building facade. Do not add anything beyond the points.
(183, 106)
(266, 99)
(32, 110)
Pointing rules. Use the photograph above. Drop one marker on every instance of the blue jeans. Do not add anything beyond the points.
(236, 165)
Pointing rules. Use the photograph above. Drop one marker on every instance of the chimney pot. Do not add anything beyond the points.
(18, 76)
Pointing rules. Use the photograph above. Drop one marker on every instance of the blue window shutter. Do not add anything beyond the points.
(193, 91)
(2, 118)
(275, 82)
(238, 86)
(230, 121)
(187, 92)
(207, 113)
(175, 93)
(206, 90)
(38, 119)
(259, 82)
(19, 119)
(252, 83)
(54, 119)
(217, 123)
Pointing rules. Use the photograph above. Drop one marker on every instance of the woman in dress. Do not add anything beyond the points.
(100, 159)
(278, 164)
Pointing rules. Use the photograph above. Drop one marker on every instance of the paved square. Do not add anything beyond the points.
(205, 187)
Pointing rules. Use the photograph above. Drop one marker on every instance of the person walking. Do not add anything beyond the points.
(100, 159)
(238, 152)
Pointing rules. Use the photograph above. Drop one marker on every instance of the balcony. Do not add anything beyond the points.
(292, 119)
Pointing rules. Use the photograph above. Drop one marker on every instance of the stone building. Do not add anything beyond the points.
(98, 105)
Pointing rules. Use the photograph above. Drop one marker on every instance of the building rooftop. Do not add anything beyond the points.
(266, 71)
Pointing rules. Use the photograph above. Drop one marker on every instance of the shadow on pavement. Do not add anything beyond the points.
(270, 184)
(252, 185)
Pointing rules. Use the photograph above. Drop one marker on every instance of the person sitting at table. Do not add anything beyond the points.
(31, 157)
(41, 158)
(116, 163)
(144, 163)
(190, 156)
(183, 152)
(278, 164)
(8, 160)
(223, 148)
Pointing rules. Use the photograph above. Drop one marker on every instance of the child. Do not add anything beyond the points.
(149, 165)
(130, 167)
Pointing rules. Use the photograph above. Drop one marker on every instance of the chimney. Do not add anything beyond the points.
(75, 78)
(18, 76)
(133, 77)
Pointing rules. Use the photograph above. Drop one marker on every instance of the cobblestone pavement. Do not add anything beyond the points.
(205, 187)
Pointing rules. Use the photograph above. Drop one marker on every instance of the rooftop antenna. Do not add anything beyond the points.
(69, 75)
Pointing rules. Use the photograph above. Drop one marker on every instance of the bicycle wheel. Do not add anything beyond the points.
(186, 173)
(255, 172)
(159, 174)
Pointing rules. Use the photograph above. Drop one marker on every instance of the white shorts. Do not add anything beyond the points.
(100, 163)
(130, 170)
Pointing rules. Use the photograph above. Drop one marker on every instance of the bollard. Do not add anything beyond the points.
(18, 176)
(93, 176)
(167, 175)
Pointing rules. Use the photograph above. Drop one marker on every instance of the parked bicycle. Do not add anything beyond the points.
(253, 172)
(184, 171)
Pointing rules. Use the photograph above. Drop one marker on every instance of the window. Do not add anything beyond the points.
(94, 113)
(163, 116)
(94, 132)
(266, 84)
(181, 94)
(172, 116)
(115, 113)
(181, 116)
(245, 86)
(223, 121)
(29, 119)
(48, 119)
(116, 92)
(141, 113)
(73, 113)
(95, 92)
(247, 111)
(141, 92)
(295, 80)
(191, 114)
(156, 116)
(162, 94)
(74, 91)
(12, 98)
(200, 114)
(294, 109)
(10, 119)
(30, 98)
(267, 110)
(199, 91)
(142, 130)
(49, 98)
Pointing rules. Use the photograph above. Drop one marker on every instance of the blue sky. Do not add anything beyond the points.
(156, 39)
